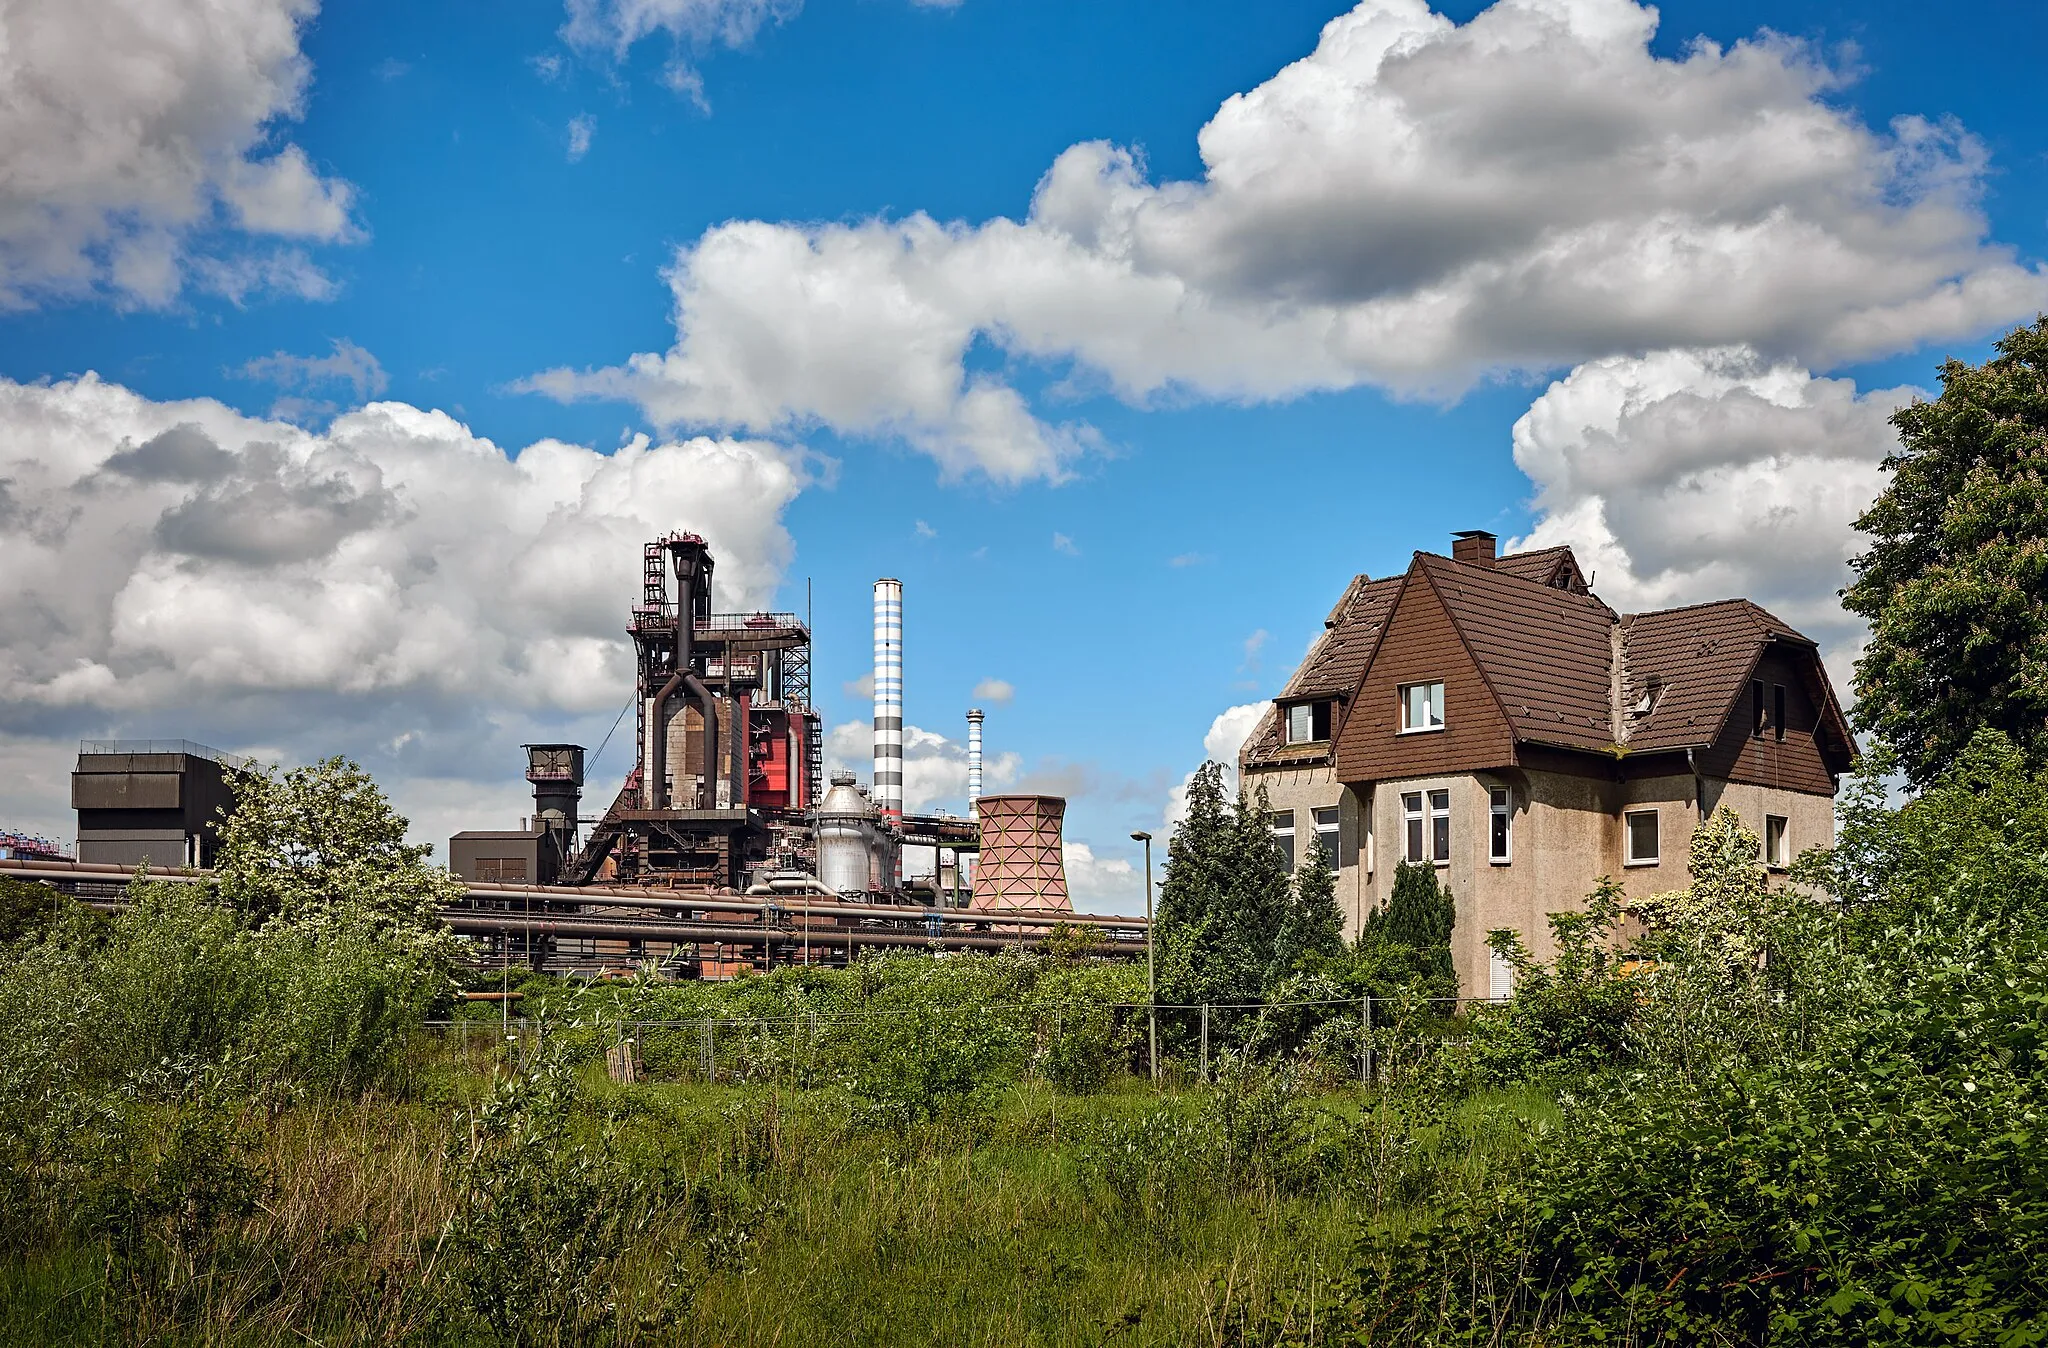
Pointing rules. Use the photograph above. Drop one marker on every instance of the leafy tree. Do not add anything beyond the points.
(1224, 898)
(1313, 924)
(1955, 583)
(306, 844)
(1420, 914)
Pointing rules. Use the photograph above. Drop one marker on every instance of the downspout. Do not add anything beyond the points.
(1699, 794)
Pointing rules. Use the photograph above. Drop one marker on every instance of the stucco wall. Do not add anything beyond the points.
(1305, 790)
(1567, 833)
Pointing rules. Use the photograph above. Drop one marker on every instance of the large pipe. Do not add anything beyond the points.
(655, 788)
(708, 706)
(888, 779)
(974, 716)
(605, 896)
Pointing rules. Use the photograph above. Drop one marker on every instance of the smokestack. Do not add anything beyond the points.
(888, 781)
(973, 757)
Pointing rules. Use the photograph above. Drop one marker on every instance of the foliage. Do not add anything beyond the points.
(1955, 583)
(28, 908)
(1224, 899)
(1313, 924)
(1832, 1140)
(1420, 914)
(304, 844)
(542, 1220)
(1566, 1018)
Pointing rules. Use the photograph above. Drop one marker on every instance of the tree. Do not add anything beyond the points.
(307, 845)
(1420, 914)
(1224, 897)
(1313, 923)
(1955, 584)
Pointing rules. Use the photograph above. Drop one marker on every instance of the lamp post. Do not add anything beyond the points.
(1151, 965)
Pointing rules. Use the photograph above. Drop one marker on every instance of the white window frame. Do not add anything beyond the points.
(1307, 712)
(1414, 827)
(1500, 825)
(1628, 837)
(1283, 836)
(1332, 833)
(1777, 857)
(1439, 825)
(1432, 706)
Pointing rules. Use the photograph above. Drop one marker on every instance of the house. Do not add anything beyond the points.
(1491, 716)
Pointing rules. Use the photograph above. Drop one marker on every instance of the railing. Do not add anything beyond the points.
(743, 622)
(186, 747)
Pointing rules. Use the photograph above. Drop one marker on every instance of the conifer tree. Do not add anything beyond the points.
(1224, 898)
(1314, 924)
(1420, 914)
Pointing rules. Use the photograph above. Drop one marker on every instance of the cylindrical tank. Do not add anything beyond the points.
(846, 833)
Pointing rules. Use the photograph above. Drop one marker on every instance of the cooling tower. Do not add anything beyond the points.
(1020, 865)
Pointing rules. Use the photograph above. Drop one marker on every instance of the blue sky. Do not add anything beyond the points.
(504, 191)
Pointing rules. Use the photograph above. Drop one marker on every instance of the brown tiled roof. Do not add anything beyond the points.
(1544, 652)
(1701, 657)
(1338, 657)
(1556, 567)
(1546, 648)
(1331, 669)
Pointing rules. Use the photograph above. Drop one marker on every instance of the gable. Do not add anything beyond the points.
(1801, 760)
(1421, 644)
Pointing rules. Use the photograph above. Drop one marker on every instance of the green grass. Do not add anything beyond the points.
(805, 1227)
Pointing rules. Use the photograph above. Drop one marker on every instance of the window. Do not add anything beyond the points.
(1411, 812)
(501, 870)
(1329, 829)
(1440, 826)
(1500, 977)
(1308, 722)
(1283, 834)
(1642, 837)
(1499, 825)
(1422, 707)
(1778, 709)
(1775, 848)
(1756, 708)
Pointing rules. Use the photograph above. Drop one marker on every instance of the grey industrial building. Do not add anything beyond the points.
(152, 802)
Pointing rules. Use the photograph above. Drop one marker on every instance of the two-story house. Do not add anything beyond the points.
(1490, 716)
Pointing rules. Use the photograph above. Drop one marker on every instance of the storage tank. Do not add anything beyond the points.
(847, 838)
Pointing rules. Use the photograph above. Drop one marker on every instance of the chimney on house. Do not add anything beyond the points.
(1474, 547)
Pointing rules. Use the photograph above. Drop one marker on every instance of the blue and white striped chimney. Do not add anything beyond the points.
(888, 783)
(973, 758)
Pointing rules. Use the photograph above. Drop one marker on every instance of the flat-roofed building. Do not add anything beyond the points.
(153, 802)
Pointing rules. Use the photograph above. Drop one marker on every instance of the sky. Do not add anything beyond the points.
(348, 355)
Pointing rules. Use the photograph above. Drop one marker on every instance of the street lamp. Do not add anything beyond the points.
(1151, 965)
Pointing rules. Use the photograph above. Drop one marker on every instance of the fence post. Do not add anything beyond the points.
(1365, 1056)
(1205, 1043)
(706, 1066)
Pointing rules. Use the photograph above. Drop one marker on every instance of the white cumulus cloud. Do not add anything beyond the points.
(1226, 735)
(996, 691)
(1414, 204)
(934, 765)
(396, 587)
(1687, 476)
(139, 150)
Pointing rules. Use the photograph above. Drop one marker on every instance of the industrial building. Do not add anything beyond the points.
(1490, 716)
(726, 798)
(151, 802)
(724, 848)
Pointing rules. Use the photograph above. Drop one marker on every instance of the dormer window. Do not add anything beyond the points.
(1422, 707)
(1308, 722)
